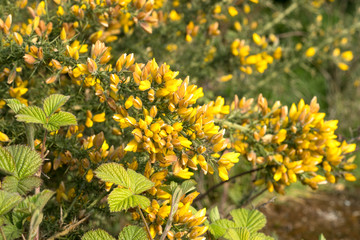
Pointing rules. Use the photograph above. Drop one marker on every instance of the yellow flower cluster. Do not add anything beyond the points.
(259, 61)
(188, 224)
(291, 145)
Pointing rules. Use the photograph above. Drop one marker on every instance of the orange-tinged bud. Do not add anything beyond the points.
(91, 65)
(29, 59)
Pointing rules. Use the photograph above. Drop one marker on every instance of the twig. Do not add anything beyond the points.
(174, 208)
(146, 225)
(266, 203)
(253, 197)
(2, 233)
(231, 125)
(291, 34)
(201, 196)
(68, 229)
(281, 16)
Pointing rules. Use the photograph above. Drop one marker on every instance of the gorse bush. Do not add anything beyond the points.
(90, 133)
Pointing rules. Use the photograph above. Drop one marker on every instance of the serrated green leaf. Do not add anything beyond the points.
(98, 234)
(8, 201)
(132, 233)
(7, 163)
(214, 214)
(253, 220)
(60, 119)
(260, 236)
(170, 188)
(25, 208)
(31, 114)
(219, 227)
(54, 102)
(139, 183)
(114, 173)
(10, 230)
(123, 199)
(15, 104)
(27, 161)
(237, 234)
(21, 186)
(142, 201)
(188, 186)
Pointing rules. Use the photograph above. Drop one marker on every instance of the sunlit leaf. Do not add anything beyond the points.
(98, 234)
(132, 233)
(54, 102)
(31, 114)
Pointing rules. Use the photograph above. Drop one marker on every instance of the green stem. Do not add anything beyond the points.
(145, 223)
(278, 19)
(231, 125)
(2, 233)
(30, 135)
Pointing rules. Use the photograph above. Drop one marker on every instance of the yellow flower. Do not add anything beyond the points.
(184, 174)
(4, 137)
(232, 11)
(89, 175)
(343, 66)
(174, 16)
(310, 52)
(144, 85)
(347, 56)
(99, 117)
(226, 78)
(185, 142)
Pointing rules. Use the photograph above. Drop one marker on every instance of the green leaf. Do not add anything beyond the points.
(7, 164)
(170, 188)
(139, 183)
(15, 104)
(60, 119)
(120, 199)
(27, 161)
(53, 103)
(214, 214)
(142, 201)
(132, 233)
(10, 230)
(260, 236)
(26, 208)
(31, 114)
(219, 227)
(321, 237)
(237, 234)
(35, 221)
(253, 220)
(188, 186)
(21, 186)
(114, 173)
(123, 199)
(8, 201)
(98, 234)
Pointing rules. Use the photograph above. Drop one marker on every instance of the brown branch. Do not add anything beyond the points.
(146, 225)
(253, 197)
(201, 196)
(68, 229)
